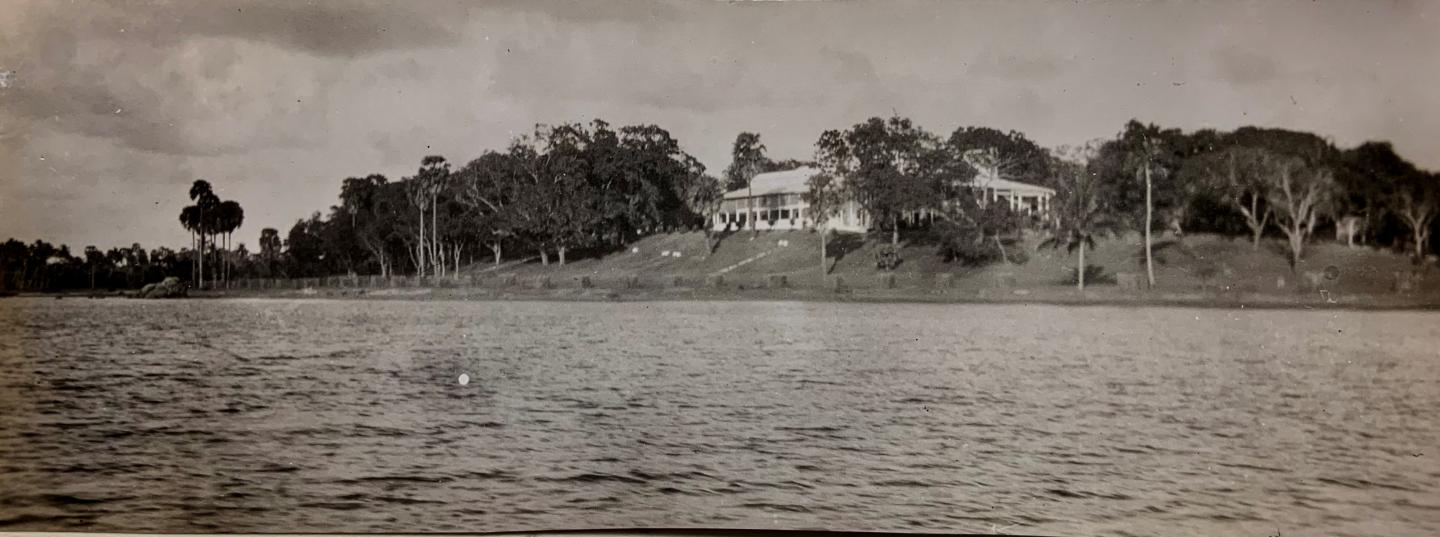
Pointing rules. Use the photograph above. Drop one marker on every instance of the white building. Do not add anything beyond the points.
(1024, 198)
(774, 201)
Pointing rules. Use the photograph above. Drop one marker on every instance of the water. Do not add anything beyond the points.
(346, 416)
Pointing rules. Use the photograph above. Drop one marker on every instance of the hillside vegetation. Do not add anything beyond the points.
(1200, 262)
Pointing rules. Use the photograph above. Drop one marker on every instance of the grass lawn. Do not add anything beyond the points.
(1194, 263)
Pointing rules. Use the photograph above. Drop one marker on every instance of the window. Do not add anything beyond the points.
(784, 214)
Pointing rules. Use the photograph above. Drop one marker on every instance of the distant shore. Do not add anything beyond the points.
(1095, 296)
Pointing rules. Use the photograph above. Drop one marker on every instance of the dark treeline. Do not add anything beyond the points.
(561, 190)
(577, 189)
(41, 266)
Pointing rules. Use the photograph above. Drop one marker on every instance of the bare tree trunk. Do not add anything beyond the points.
(544, 256)
(895, 233)
(420, 248)
(437, 254)
(1080, 270)
(750, 207)
(1420, 238)
(1149, 211)
(1295, 234)
(1003, 256)
(495, 248)
(823, 270)
(200, 282)
(562, 256)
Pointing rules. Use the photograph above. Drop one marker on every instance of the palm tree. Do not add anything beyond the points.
(1144, 163)
(1083, 216)
(190, 220)
(229, 216)
(205, 201)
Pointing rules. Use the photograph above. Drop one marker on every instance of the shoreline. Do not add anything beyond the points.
(1103, 297)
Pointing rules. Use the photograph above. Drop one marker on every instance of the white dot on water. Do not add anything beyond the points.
(464, 379)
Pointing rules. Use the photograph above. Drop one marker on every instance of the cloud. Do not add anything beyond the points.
(1016, 67)
(180, 78)
(1241, 67)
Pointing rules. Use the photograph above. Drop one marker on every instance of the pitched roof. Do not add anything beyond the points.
(796, 181)
(1017, 186)
(786, 182)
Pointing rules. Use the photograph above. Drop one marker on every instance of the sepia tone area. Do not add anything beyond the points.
(970, 267)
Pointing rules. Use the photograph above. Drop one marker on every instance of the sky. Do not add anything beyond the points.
(112, 109)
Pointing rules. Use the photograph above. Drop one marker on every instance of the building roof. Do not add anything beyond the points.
(796, 181)
(786, 182)
(1017, 186)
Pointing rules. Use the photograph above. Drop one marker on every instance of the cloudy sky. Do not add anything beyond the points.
(114, 108)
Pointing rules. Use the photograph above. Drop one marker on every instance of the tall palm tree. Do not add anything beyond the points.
(190, 220)
(229, 216)
(1144, 162)
(205, 201)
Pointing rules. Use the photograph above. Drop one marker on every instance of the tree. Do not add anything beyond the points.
(94, 259)
(270, 247)
(1298, 189)
(1144, 164)
(190, 220)
(1237, 173)
(1416, 200)
(371, 209)
(201, 220)
(890, 167)
(305, 247)
(824, 196)
(1150, 157)
(704, 195)
(1371, 176)
(1083, 214)
(229, 217)
(423, 191)
(486, 187)
(551, 196)
(1015, 157)
(747, 159)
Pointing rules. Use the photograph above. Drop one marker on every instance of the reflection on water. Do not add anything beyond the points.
(346, 416)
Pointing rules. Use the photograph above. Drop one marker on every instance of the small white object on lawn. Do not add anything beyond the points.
(464, 379)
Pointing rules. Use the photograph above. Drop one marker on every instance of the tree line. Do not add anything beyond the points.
(1252, 182)
(589, 188)
(559, 190)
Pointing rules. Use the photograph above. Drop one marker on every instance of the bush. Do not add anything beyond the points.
(887, 258)
(991, 235)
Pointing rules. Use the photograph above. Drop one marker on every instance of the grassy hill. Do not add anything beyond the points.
(1194, 263)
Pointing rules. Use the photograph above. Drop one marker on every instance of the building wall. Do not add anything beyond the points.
(783, 212)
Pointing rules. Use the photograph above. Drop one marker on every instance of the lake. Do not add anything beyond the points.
(347, 416)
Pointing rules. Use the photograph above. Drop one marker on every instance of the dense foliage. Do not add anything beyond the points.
(589, 188)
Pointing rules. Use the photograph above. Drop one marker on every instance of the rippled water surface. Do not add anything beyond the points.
(346, 416)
